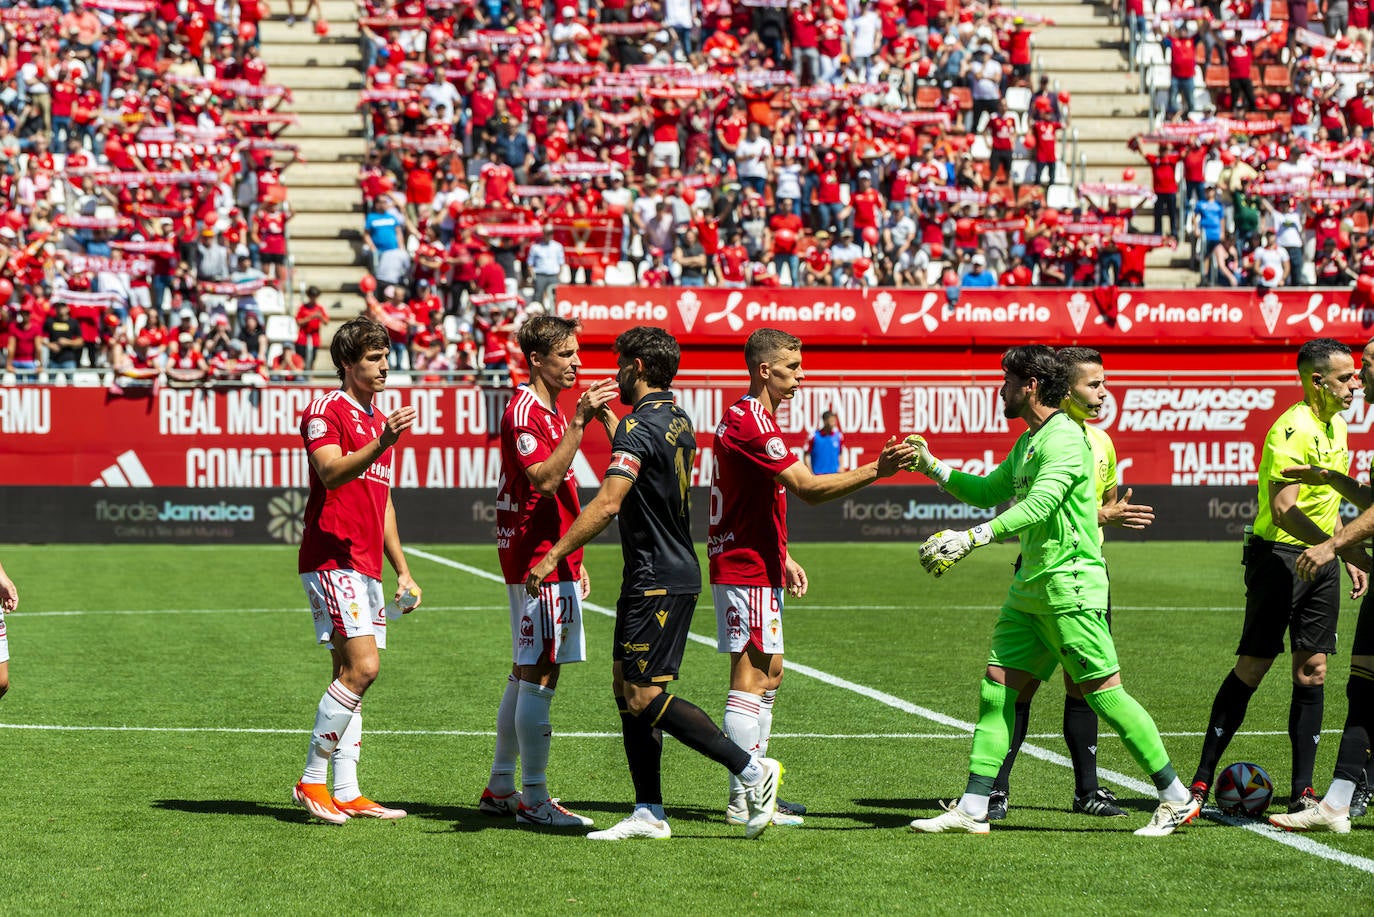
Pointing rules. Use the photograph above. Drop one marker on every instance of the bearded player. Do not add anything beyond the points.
(1087, 394)
(1056, 609)
(747, 547)
(1348, 796)
(535, 503)
(349, 525)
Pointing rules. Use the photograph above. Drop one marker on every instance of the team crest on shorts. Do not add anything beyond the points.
(734, 622)
(774, 626)
(643, 664)
(353, 610)
(526, 627)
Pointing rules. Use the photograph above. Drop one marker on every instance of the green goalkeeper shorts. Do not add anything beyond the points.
(1079, 640)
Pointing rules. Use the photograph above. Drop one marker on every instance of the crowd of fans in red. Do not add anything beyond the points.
(143, 222)
(1268, 113)
(764, 142)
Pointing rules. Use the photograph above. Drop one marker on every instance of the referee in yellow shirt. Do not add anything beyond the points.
(1291, 516)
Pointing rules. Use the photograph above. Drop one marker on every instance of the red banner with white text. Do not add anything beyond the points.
(1188, 428)
(1100, 317)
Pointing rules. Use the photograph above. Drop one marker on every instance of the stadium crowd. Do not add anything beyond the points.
(1262, 155)
(143, 219)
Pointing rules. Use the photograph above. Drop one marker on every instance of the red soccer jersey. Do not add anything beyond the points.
(344, 527)
(1003, 129)
(527, 522)
(748, 536)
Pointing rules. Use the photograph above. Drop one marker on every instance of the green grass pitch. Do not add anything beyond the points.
(180, 683)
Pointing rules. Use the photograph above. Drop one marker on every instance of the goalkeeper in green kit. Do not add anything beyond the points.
(1056, 610)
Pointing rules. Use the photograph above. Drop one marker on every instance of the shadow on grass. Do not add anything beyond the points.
(237, 807)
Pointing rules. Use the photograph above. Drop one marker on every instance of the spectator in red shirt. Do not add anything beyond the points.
(1239, 61)
(1044, 130)
(26, 342)
(1164, 175)
(783, 238)
(310, 316)
(1182, 50)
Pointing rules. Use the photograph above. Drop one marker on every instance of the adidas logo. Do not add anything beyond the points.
(127, 471)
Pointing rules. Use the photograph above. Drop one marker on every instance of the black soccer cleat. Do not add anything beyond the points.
(1099, 802)
(791, 808)
(1303, 801)
(997, 805)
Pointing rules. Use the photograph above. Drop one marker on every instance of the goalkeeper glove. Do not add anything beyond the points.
(926, 463)
(945, 549)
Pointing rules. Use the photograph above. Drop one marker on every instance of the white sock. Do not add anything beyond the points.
(1338, 798)
(752, 773)
(502, 780)
(741, 724)
(535, 732)
(1175, 792)
(345, 760)
(766, 720)
(974, 805)
(332, 716)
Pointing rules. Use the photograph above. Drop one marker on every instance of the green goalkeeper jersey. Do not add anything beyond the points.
(1050, 473)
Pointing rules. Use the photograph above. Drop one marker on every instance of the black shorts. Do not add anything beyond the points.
(1277, 600)
(650, 635)
(1364, 629)
(272, 259)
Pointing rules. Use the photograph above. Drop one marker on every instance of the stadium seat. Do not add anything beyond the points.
(270, 302)
(1276, 77)
(1278, 10)
(1018, 99)
(964, 96)
(1216, 77)
(280, 329)
(980, 149)
(934, 270)
(1061, 197)
(927, 96)
(1211, 171)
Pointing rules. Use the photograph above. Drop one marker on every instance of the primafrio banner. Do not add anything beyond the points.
(1100, 317)
(1190, 428)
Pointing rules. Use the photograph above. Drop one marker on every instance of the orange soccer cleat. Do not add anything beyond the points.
(317, 801)
(362, 807)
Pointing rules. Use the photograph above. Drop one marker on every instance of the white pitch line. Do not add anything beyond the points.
(73, 613)
(1297, 842)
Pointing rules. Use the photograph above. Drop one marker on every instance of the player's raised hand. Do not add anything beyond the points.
(896, 455)
(1311, 475)
(922, 459)
(397, 424)
(1125, 514)
(597, 396)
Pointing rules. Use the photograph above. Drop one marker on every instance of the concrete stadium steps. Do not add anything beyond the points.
(1085, 56)
(324, 74)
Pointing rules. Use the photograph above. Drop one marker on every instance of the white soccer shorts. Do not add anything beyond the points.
(748, 615)
(548, 627)
(4, 641)
(348, 602)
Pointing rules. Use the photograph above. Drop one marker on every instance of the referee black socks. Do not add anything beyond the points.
(644, 754)
(690, 725)
(1304, 731)
(1228, 712)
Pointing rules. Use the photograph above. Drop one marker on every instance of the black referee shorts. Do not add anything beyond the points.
(1364, 629)
(650, 636)
(1277, 600)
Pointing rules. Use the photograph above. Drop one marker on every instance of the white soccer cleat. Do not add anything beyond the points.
(762, 798)
(737, 813)
(1170, 816)
(641, 824)
(550, 814)
(1317, 818)
(953, 820)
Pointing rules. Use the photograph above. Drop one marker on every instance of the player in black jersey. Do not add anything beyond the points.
(647, 486)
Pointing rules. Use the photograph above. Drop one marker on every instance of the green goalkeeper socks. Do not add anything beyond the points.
(1137, 730)
(992, 737)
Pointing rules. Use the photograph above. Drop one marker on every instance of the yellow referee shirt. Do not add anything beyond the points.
(1299, 437)
(1104, 466)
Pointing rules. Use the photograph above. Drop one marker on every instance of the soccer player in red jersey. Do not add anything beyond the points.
(536, 502)
(747, 544)
(349, 525)
(9, 601)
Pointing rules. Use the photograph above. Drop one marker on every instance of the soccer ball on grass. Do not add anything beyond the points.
(1244, 789)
